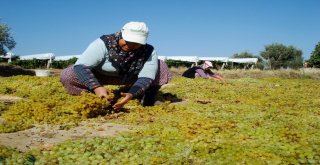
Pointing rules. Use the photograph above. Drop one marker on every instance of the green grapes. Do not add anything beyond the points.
(241, 121)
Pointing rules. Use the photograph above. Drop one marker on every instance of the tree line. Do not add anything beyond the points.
(275, 55)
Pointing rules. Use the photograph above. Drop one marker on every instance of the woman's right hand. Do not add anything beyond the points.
(126, 97)
(101, 92)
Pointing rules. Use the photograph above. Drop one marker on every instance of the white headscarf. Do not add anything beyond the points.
(206, 65)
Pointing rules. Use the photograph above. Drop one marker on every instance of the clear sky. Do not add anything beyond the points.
(177, 27)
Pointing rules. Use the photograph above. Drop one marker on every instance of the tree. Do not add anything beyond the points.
(259, 65)
(314, 60)
(6, 40)
(246, 55)
(281, 56)
(243, 55)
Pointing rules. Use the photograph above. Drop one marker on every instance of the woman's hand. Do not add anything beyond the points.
(101, 92)
(119, 105)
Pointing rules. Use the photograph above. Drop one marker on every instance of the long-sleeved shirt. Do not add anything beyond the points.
(96, 57)
(201, 73)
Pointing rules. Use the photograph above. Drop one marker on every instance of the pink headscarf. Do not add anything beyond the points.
(207, 64)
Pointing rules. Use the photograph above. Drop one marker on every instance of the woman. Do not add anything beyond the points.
(121, 58)
(204, 71)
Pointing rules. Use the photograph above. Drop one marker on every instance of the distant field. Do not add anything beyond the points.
(253, 117)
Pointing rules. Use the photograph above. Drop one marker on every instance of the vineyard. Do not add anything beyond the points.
(260, 119)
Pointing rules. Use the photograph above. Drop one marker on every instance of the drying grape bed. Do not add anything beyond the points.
(238, 121)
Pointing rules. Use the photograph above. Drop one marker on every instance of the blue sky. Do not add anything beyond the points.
(177, 27)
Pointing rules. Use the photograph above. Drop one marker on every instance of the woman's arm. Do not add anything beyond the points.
(90, 58)
(93, 55)
(150, 68)
(145, 78)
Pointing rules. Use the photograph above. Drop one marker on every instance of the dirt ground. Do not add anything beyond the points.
(9, 99)
(45, 136)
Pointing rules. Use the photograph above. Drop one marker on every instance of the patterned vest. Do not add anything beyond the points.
(128, 64)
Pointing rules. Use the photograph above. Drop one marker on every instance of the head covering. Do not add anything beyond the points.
(207, 64)
(135, 32)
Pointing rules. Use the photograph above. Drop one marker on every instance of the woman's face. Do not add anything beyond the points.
(128, 46)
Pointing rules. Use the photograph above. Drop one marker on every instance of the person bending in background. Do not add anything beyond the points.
(203, 70)
(121, 58)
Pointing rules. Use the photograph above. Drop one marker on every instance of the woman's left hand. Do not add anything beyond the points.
(119, 105)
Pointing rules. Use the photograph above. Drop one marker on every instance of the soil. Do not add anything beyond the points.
(45, 136)
(55, 72)
(9, 99)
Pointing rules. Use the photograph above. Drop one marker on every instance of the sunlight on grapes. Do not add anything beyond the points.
(237, 121)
